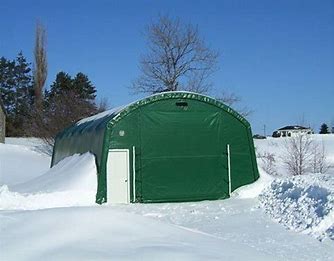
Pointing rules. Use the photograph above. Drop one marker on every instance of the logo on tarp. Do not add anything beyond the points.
(121, 133)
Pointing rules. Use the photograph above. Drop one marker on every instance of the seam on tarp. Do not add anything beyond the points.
(101, 194)
(140, 156)
(252, 153)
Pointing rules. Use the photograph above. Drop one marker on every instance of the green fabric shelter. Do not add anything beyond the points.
(182, 147)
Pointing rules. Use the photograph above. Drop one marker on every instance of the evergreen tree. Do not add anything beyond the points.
(80, 85)
(7, 84)
(62, 84)
(23, 77)
(324, 129)
(24, 92)
(67, 101)
(84, 87)
(16, 92)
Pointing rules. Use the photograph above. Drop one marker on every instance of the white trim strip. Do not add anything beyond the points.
(128, 168)
(134, 173)
(229, 169)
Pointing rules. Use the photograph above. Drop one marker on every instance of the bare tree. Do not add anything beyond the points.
(40, 65)
(103, 104)
(232, 100)
(62, 111)
(178, 59)
(298, 154)
(319, 163)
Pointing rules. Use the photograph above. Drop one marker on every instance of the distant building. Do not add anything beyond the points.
(2, 122)
(293, 130)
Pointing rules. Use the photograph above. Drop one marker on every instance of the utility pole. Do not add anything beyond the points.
(264, 131)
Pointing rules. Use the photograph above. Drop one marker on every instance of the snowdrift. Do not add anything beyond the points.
(72, 182)
(253, 190)
(303, 204)
(20, 163)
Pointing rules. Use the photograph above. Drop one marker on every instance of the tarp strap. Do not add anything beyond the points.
(229, 168)
(134, 173)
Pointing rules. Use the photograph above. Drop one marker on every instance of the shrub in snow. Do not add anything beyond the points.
(319, 162)
(268, 162)
(298, 154)
(302, 154)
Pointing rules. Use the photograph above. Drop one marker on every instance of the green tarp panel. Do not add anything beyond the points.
(180, 142)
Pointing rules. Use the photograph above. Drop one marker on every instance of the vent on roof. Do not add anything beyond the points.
(181, 104)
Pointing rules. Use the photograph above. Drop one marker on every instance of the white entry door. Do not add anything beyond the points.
(118, 182)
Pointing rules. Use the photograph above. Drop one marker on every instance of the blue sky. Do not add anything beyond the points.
(277, 55)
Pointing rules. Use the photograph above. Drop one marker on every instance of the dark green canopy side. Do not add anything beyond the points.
(180, 141)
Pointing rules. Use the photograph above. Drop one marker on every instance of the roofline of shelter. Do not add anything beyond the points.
(175, 95)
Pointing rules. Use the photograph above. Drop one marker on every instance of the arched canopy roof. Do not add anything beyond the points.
(110, 117)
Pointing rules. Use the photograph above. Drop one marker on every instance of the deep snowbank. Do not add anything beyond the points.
(304, 204)
(20, 163)
(72, 182)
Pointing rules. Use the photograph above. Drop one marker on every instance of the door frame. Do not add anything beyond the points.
(128, 172)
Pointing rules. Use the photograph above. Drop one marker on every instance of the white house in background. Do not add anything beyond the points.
(293, 130)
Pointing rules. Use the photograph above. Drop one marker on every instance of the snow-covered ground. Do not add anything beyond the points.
(50, 214)
(22, 159)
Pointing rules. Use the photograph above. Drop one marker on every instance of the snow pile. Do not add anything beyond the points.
(19, 163)
(34, 144)
(303, 204)
(72, 182)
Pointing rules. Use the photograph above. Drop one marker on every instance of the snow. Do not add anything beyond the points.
(15, 157)
(50, 214)
(72, 182)
(240, 221)
(304, 204)
(276, 146)
(254, 189)
(100, 233)
(77, 172)
(101, 115)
